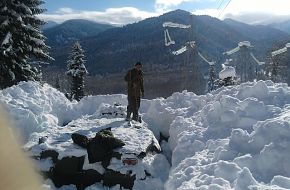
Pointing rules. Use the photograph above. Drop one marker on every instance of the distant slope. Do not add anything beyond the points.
(283, 26)
(256, 32)
(262, 37)
(73, 30)
(117, 49)
(49, 24)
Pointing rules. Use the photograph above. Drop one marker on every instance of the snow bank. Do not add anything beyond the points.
(238, 140)
(35, 107)
(160, 113)
(46, 120)
(237, 137)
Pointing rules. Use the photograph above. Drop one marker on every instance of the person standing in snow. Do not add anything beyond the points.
(134, 79)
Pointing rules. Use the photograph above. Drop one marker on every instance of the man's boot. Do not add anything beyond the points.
(135, 117)
(128, 117)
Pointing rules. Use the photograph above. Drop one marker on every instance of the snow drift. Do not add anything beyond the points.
(236, 138)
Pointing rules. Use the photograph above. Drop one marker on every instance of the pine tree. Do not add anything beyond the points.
(57, 83)
(211, 81)
(279, 68)
(77, 71)
(20, 41)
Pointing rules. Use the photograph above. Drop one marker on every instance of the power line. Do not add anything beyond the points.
(220, 4)
(224, 8)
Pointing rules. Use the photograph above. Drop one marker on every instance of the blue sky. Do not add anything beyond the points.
(101, 5)
(98, 5)
(121, 12)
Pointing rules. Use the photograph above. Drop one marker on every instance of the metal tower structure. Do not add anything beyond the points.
(278, 71)
(246, 64)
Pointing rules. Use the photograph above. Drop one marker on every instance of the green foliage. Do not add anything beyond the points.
(20, 41)
(77, 71)
(211, 80)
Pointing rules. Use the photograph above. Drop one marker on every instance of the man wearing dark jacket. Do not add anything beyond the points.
(134, 79)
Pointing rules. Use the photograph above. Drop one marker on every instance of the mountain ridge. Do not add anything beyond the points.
(283, 26)
(116, 49)
(73, 30)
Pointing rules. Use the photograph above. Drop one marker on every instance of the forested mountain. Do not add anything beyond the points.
(256, 32)
(118, 48)
(49, 24)
(71, 31)
(283, 26)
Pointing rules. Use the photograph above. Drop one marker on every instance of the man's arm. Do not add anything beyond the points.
(128, 76)
(142, 86)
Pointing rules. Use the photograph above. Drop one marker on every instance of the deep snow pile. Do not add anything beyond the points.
(239, 140)
(35, 108)
(234, 138)
(47, 120)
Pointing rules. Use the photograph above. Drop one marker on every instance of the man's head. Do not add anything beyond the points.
(138, 65)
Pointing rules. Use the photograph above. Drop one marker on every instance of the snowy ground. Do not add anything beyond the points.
(235, 138)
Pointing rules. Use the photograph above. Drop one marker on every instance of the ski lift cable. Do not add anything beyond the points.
(257, 61)
(221, 2)
(203, 58)
(224, 8)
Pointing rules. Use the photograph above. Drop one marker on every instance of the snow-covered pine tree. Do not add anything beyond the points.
(20, 41)
(77, 71)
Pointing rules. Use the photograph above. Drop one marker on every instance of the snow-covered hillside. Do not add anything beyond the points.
(234, 138)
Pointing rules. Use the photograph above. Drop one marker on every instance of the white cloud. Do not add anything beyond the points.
(210, 12)
(249, 11)
(259, 18)
(65, 10)
(277, 7)
(165, 5)
(171, 2)
(115, 16)
(253, 11)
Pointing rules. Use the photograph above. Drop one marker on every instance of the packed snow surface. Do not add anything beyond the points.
(236, 138)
